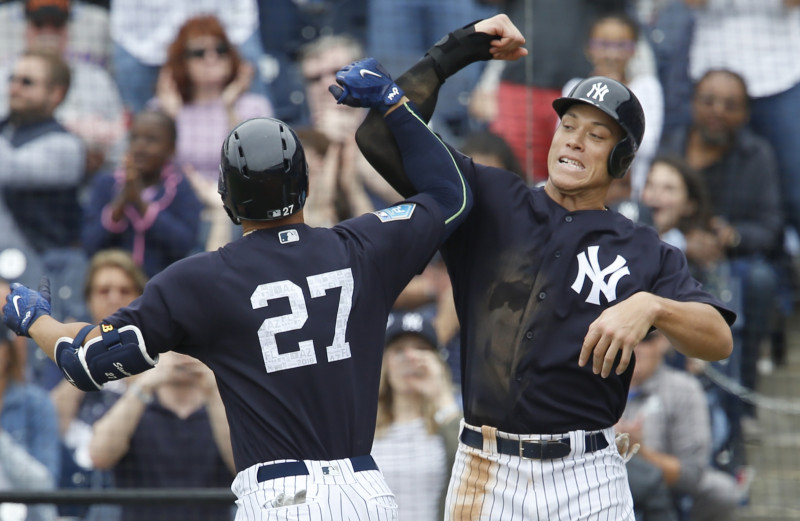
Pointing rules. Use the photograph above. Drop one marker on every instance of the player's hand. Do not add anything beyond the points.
(616, 332)
(365, 83)
(24, 306)
(510, 44)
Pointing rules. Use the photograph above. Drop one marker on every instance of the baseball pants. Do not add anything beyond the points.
(351, 489)
(507, 477)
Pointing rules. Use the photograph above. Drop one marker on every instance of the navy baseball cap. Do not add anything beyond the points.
(411, 323)
(41, 11)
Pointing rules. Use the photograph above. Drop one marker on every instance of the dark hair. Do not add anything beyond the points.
(166, 120)
(208, 25)
(732, 74)
(489, 143)
(622, 17)
(695, 191)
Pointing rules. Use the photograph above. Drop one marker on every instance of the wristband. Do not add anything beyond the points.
(459, 49)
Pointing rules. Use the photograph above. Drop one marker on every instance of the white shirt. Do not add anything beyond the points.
(759, 39)
(413, 464)
(145, 28)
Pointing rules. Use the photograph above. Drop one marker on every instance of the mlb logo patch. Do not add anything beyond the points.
(287, 236)
(331, 471)
(401, 212)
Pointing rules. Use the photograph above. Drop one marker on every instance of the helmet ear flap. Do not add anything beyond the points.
(620, 159)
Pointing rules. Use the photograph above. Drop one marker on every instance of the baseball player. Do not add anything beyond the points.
(552, 291)
(289, 318)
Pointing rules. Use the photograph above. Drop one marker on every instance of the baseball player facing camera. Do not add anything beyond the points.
(552, 291)
(289, 318)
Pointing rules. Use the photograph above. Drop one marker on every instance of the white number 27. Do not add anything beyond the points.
(317, 286)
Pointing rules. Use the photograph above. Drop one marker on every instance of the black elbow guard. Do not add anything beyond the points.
(458, 49)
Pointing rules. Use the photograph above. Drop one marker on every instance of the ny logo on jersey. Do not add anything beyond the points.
(589, 267)
(598, 92)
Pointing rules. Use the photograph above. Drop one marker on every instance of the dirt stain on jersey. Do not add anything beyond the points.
(473, 487)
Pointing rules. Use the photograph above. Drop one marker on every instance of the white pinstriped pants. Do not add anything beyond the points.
(486, 485)
(332, 492)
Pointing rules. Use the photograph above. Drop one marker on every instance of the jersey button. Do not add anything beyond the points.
(542, 295)
(529, 335)
(557, 254)
(568, 218)
(519, 378)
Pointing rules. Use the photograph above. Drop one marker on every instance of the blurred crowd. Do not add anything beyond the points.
(112, 114)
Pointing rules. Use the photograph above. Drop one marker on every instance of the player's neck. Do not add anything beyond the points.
(251, 226)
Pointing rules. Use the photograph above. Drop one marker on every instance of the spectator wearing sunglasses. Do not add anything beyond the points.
(92, 108)
(204, 85)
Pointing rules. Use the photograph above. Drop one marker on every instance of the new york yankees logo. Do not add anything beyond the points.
(589, 267)
(598, 92)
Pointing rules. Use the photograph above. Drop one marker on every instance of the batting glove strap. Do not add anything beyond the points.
(458, 49)
(115, 354)
(365, 83)
(23, 307)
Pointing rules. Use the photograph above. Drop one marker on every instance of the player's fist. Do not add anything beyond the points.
(365, 83)
(24, 306)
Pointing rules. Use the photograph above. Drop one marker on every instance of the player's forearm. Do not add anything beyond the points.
(46, 331)
(695, 329)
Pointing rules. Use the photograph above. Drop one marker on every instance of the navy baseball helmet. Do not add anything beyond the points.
(263, 174)
(619, 102)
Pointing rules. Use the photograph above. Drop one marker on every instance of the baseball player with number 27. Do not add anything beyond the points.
(291, 319)
(552, 291)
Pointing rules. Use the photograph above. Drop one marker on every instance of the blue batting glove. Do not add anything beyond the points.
(365, 83)
(24, 306)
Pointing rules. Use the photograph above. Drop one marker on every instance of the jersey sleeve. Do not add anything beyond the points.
(675, 282)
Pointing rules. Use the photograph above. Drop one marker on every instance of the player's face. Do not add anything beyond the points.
(30, 93)
(719, 108)
(208, 60)
(151, 144)
(111, 289)
(578, 157)
(666, 194)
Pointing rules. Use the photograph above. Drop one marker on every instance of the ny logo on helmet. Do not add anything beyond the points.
(589, 268)
(598, 92)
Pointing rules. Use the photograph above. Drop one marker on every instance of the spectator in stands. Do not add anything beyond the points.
(490, 149)
(682, 215)
(141, 37)
(515, 97)
(740, 177)
(418, 419)
(319, 60)
(147, 206)
(168, 430)
(667, 415)
(92, 108)
(204, 86)
(40, 173)
(29, 451)
(612, 43)
(113, 280)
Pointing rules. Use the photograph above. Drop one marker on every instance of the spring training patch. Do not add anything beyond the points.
(401, 212)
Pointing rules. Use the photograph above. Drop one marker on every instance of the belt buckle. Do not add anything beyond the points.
(543, 446)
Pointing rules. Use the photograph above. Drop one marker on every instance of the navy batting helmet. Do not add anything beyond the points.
(616, 100)
(263, 174)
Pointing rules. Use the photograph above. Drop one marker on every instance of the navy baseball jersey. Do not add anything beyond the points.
(529, 277)
(273, 315)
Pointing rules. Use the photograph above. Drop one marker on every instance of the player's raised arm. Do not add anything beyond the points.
(493, 38)
(365, 83)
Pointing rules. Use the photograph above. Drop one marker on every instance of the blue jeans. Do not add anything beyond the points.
(776, 118)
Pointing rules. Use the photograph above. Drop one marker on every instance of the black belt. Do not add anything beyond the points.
(542, 449)
(298, 468)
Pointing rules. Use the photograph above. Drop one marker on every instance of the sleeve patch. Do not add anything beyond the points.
(400, 212)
